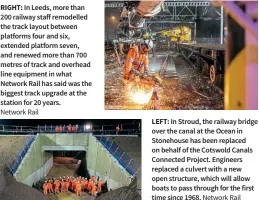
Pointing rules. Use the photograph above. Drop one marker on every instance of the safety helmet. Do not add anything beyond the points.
(149, 43)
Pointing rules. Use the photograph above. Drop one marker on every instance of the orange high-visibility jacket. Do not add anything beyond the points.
(135, 59)
(90, 185)
(57, 184)
(86, 184)
(57, 129)
(45, 186)
(78, 186)
(100, 183)
(67, 184)
(50, 186)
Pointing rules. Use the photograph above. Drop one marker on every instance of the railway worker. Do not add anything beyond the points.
(80, 178)
(92, 179)
(69, 128)
(74, 128)
(67, 184)
(90, 186)
(57, 186)
(45, 188)
(117, 129)
(63, 186)
(99, 185)
(94, 191)
(78, 189)
(57, 129)
(51, 180)
(137, 59)
(50, 186)
(74, 185)
(85, 183)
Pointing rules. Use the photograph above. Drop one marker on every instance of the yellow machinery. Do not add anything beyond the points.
(181, 34)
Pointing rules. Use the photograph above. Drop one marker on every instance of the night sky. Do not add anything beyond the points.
(35, 122)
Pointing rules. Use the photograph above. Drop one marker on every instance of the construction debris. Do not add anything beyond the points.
(189, 91)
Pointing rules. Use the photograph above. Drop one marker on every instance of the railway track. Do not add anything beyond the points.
(183, 86)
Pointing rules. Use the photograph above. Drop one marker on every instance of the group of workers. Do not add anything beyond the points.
(65, 128)
(76, 185)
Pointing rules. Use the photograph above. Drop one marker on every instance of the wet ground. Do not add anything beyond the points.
(190, 90)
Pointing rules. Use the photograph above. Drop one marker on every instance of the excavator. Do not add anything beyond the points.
(178, 34)
(134, 14)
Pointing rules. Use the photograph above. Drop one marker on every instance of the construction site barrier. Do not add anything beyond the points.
(126, 162)
(21, 154)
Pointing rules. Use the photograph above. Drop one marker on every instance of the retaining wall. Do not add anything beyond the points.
(101, 163)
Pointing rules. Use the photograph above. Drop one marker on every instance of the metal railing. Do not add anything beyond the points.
(126, 162)
(125, 129)
(21, 154)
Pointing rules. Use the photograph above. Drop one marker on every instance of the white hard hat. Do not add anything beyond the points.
(149, 43)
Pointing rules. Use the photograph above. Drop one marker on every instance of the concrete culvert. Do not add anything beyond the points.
(10, 189)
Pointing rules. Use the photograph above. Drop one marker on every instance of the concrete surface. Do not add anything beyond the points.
(101, 163)
(132, 146)
(9, 147)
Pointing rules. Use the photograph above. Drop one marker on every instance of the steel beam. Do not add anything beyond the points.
(221, 26)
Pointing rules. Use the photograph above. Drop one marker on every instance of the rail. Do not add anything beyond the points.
(21, 154)
(126, 162)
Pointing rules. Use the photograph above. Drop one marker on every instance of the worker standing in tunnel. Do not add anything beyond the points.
(99, 184)
(63, 186)
(90, 186)
(57, 186)
(137, 59)
(45, 188)
(92, 179)
(67, 184)
(85, 182)
(78, 189)
(94, 191)
(50, 186)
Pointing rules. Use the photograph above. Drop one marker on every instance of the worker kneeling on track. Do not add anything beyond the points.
(139, 82)
(136, 62)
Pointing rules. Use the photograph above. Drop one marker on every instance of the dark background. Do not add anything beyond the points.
(35, 122)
